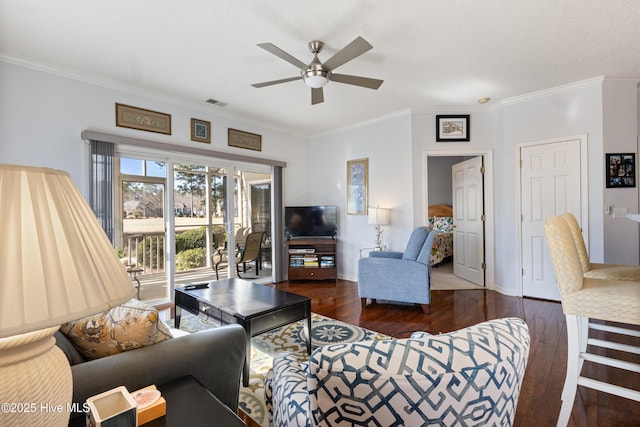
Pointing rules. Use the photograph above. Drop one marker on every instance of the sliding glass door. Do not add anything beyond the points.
(196, 231)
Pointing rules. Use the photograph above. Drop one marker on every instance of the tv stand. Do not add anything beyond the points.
(312, 259)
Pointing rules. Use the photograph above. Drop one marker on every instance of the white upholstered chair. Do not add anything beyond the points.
(585, 298)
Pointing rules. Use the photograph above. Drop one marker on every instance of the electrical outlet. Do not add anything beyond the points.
(619, 213)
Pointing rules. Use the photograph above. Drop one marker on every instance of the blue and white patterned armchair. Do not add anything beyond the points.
(463, 378)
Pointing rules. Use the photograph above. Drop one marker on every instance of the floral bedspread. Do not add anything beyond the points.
(442, 248)
(443, 245)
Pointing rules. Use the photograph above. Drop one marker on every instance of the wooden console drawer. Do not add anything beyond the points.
(308, 273)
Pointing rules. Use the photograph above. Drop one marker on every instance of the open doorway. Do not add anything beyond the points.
(439, 190)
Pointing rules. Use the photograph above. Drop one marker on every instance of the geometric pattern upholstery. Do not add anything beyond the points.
(615, 301)
(467, 377)
(596, 298)
(597, 270)
(576, 232)
(564, 255)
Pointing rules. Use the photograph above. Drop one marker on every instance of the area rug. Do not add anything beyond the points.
(443, 279)
(324, 330)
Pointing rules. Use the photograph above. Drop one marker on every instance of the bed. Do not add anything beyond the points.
(441, 218)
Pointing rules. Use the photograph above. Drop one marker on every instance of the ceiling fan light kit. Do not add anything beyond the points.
(318, 74)
(316, 78)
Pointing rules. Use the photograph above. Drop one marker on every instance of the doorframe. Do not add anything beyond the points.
(584, 196)
(487, 190)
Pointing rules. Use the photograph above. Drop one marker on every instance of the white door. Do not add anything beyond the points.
(468, 220)
(550, 180)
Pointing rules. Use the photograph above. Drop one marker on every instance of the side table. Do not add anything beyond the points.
(133, 273)
(364, 252)
(188, 404)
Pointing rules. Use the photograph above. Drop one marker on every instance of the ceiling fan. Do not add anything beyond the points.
(317, 74)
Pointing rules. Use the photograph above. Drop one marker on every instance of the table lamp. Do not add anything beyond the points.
(56, 265)
(378, 216)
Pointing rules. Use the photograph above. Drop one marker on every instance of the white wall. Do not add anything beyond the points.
(43, 114)
(424, 140)
(574, 109)
(439, 179)
(387, 145)
(620, 124)
(567, 111)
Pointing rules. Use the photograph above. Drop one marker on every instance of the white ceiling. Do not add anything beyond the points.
(434, 56)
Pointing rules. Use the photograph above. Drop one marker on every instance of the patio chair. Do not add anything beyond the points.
(250, 252)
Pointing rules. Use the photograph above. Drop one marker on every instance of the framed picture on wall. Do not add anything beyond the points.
(357, 186)
(620, 170)
(200, 131)
(142, 119)
(451, 128)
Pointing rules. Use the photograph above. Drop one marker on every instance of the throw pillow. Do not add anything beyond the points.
(125, 327)
(442, 224)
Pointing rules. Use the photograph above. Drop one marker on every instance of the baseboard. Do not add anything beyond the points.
(506, 291)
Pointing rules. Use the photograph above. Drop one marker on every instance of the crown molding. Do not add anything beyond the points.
(596, 81)
(358, 125)
(134, 91)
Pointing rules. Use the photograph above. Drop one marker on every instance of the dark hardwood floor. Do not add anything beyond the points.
(539, 403)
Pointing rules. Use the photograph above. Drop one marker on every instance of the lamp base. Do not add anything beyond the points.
(378, 239)
(36, 380)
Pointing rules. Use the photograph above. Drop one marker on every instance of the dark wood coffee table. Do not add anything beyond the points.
(257, 308)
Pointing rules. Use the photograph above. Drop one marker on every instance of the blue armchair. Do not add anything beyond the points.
(399, 276)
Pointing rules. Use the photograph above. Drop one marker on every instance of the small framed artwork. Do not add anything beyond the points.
(141, 119)
(451, 128)
(200, 131)
(241, 139)
(357, 187)
(620, 170)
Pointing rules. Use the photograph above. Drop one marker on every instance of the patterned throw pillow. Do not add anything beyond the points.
(442, 224)
(125, 327)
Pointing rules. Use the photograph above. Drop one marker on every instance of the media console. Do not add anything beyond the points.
(312, 259)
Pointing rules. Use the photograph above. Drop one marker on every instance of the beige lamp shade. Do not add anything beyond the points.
(56, 262)
(378, 216)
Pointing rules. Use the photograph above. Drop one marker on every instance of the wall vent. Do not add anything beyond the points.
(216, 102)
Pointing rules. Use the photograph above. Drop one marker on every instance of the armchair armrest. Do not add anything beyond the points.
(286, 394)
(385, 254)
(213, 357)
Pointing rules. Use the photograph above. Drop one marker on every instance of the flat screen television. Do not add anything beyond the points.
(310, 221)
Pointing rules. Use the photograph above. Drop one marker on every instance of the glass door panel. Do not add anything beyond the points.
(253, 214)
(191, 222)
(140, 241)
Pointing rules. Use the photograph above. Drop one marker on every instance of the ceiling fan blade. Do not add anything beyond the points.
(350, 51)
(275, 82)
(271, 48)
(317, 96)
(356, 80)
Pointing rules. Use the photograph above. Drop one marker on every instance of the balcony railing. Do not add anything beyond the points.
(145, 251)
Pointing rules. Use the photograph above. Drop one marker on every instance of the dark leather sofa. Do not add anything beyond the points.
(213, 357)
